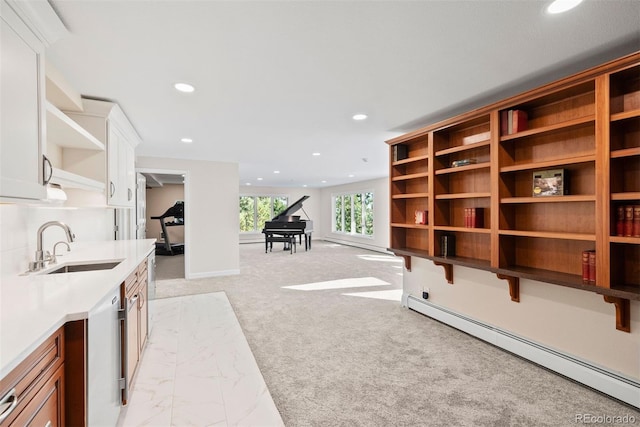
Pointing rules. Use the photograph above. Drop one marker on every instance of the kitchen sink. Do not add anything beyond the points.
(73, 268)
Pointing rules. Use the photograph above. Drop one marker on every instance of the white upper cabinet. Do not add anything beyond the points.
(23, 172)
(108, 124)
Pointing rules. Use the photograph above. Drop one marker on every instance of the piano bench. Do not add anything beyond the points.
(287, 239)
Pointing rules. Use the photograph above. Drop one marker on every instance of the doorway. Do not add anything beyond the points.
(165, 211)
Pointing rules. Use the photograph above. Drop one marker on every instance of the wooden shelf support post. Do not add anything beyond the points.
(623, 312)
(448, 271)
(407, 262)
(514, 286)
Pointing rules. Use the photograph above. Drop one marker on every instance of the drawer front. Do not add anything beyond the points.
(142, 268)
(131, 283)
(47, 406)
(30, 374)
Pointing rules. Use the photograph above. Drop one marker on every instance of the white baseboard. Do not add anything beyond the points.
(212, 274)
(611, 383)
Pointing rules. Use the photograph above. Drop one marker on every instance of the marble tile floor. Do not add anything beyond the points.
(198, 370)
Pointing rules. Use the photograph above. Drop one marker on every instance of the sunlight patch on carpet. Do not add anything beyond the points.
(358, 282)
(391, 294)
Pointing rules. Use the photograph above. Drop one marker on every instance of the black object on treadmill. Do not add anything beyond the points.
(167, 248)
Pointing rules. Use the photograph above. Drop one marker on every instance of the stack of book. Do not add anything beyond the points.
(474, 217)
(628, 223)
(589, 266)
(513, 121)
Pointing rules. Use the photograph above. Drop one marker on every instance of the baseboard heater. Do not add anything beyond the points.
(615, 385)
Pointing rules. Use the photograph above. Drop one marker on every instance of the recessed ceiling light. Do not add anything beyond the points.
(304, 185)
(186, 140)
(259, 179)
(351, 175)
(323, 181)
(359, 116)
(315, 154)
(184, 87)
(559, 6)
(248, 183)
(276, 171)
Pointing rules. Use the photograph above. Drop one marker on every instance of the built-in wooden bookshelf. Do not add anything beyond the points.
(587, 126)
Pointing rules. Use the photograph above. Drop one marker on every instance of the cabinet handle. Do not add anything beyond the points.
(133, 301)
(46, 162)
(129, 194)
(112, 189)
(48, 424)
(9, 397)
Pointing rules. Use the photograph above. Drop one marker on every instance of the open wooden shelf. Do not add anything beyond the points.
(465, 168)
(563, 126)
(549, 163)
(410, 160)
(588, 125)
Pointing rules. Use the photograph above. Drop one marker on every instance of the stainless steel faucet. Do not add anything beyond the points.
(40, 261)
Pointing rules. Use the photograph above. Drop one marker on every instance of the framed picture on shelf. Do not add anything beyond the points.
(552, 182)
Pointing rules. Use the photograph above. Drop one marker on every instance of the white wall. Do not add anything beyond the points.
(311, 207)
(19, 225)
(576, 322)
(211, 214)
(380, 239)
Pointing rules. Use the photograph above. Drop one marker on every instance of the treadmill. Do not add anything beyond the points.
(177, 213)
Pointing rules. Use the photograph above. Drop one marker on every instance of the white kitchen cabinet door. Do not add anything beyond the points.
(121, 169)
(21, 136)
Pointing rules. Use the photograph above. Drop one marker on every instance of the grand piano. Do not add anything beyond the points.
(286, 227)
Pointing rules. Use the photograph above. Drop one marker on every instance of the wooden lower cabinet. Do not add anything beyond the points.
(37, 384)
(47, 406)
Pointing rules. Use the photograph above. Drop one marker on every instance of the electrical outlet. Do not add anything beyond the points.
(425, 293)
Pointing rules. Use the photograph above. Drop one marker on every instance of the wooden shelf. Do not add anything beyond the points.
(549, 163)
(416, 226)
(567, 125)
(632, 114)
(632, 195)
(463, 148)
(587, 124)
(627, 152)
(462, 196)
(462, 229)
(410, 196)
(549, 235)
(624, 239)
(549, 199)
(410, 160)
(465, 168)
(410, 176)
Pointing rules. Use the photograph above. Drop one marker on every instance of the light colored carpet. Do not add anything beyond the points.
(169, 267)
(331, 359)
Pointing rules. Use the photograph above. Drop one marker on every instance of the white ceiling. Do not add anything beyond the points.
(278, 80)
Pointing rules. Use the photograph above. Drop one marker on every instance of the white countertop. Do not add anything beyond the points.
(34, 306)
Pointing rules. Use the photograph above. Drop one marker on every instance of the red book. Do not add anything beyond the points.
(628, 221)
(477, 217)
(636, 221)
(620, 222)
(585, 266)
(519, 121)
(592, 266)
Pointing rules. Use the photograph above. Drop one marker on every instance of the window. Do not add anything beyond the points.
(256, 210)
(353, 213)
